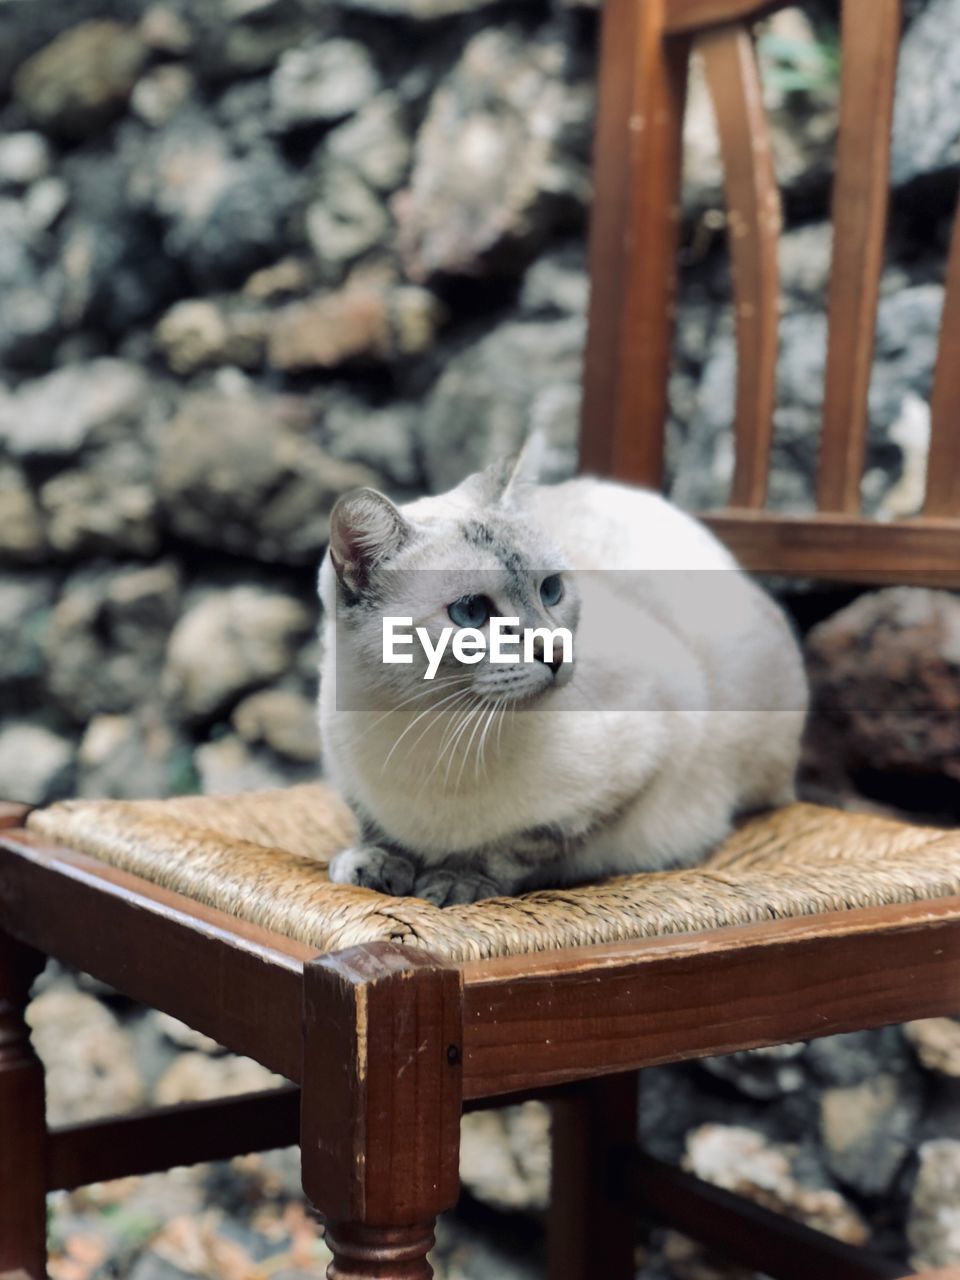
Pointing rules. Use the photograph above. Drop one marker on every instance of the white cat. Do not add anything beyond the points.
(683, 704)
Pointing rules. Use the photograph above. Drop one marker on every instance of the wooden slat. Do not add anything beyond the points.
(13, 814)
(565, 1015)
(871, 34)
(694, 15)
(240, 984)
(943, 468)
(153, 1141)
(922, 552)
(633, 243)
(744, 1232)
(753, 231)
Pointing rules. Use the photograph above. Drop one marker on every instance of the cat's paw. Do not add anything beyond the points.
(371, 867)
(447, 887)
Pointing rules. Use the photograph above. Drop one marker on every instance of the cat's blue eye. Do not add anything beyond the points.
(551, 590)
(471, 611)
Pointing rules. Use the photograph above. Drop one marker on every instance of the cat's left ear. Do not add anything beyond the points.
(365, 528)
(499, 483)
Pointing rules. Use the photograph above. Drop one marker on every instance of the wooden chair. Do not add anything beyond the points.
(390, 1017)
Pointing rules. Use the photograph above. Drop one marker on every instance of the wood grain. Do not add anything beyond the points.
(565, 1015)
(13, 815)
(152, 1141)
(870, 36)
(590, 1231)
(753, 232)
(694, 15)
(921, 552)
(380, 1111)
(23, 1214)
(231, 980)
(633, 243)
(943, 466)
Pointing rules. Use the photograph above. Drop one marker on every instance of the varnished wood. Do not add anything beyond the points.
(379, 1253)
(23, 1215)
(744, 1232)
(870, 37)
(231, 980)
(590, 1011)
(190, 1133)
(380, 1113)
(753, 230)
(591, 1231)
(943, 469)
(12, 815)
(694, 15)
(633, 242)
(922, 552)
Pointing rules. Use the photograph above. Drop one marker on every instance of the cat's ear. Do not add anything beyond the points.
(527, 466)
(365, 528)
(499, 483)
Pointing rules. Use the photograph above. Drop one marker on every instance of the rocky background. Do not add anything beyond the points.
(256, 252)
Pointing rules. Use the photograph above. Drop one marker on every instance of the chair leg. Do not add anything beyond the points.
(590, 1232)
(380, 1106)
(23, 1210)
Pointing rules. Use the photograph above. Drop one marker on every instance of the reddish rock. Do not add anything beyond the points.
(885, 682)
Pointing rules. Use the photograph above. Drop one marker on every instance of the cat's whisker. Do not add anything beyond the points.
(462, 693)
(468, 719)
(478, 721)
(416, 720)
(406, 702)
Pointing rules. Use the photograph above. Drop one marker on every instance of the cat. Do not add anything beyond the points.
(681, 705)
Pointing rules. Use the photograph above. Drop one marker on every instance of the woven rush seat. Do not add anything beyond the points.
(262, 857)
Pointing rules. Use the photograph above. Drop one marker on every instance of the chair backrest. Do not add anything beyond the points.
(634, 239)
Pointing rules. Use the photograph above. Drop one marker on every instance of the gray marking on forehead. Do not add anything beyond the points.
(480, 535)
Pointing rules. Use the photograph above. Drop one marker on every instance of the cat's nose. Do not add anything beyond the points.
(540, 654)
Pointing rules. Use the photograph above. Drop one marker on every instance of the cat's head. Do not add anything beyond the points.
(450, 563)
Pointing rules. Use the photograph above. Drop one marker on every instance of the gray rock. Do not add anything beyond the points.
(228, 766)
(57, 416)
(24, 158)
(868, 1130)
(106, 639)
(384, 439)
(22, 537)
(857, 1056)
(198, 333)
(159, 95)
(761, 1073)
(224, 215)
(933, 1227)
(375, 142)
(30, 318)
(346, 220)
(231, 643)
(45, 202)
(744, 1161)
(283, 720)
(557, 284)
(36, 765)
(937, 1044)
(82, 80)
(25, 604)
(322, 83)
(505, 1156)
(926, 118)
(418, 10)
(88, 1059)
(108, 506)
(237, 472)
(499, 161)
(490, 395)
(129, 757)
(701, 460)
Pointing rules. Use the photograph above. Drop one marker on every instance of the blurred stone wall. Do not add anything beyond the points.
(256, 252)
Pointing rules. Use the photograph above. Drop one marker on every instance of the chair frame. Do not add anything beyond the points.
(385, 1046)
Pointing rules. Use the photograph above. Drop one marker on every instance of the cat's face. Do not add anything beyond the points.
(463, 565)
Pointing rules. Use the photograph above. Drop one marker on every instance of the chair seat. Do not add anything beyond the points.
(262, 857)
